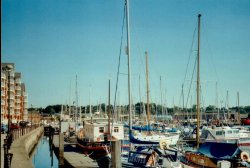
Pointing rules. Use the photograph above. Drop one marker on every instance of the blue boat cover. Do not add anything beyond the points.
(141, 128)
(132, 139)
(219, 151)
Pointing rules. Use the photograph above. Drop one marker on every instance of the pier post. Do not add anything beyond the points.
(61, 150)
(116, 154)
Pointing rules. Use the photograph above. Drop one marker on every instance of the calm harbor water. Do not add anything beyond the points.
(43, 157)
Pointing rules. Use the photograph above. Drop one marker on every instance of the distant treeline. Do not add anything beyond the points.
(139, 108)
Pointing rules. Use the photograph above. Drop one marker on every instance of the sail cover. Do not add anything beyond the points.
(219, 150)
(141, 128)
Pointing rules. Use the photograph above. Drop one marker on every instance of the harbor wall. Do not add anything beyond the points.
(22, 147)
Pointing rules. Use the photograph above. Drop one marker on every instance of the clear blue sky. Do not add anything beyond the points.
(51, 41)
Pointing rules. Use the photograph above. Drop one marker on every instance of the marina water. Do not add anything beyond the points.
(43, 156)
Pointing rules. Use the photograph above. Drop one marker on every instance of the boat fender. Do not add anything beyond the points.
(163, 144)
(244, 156)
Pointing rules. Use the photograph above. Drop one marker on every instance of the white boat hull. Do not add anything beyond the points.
(171, 139)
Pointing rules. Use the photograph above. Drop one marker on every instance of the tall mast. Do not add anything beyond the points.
(161, 98)
(191, 112)
(140, 94)
(109, 111)
(227, 105)
(80, 114)
(217, 102)
(198, 84)
(166, 103)
(90, 108)
(76, 112)
(148, 112)
(128, 52)
(238, 106)
(70, 100)
(182, 93)
(61, 112)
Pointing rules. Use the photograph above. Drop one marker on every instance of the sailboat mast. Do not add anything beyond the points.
(61, 112)
(140, 95)
(148, 112)
(90, 108)
(161, 97)
(238, 107)
(198, 84)
(70, 100)
(128, 52)
(182, 95)
(217, 102)
(109, 111)
(76, 112)
(227, 106)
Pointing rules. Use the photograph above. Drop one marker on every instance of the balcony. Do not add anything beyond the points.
(12, 73)
(2, 102)
(2, 84)
(18, 94)
(18, 101)
(12, 81)
(17, 109)
(12, 94)
(11, 111)
(12, 105)
(12, 97)
(18, 81)
(2, 93)
(17, 106)
(3, 76)
(11, 101)
(12, 88)
(18, 88)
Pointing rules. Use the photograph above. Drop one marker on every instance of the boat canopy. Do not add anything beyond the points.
(219, 151)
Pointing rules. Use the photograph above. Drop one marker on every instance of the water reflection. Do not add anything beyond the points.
(44, 156)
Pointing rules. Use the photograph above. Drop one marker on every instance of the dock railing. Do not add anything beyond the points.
(17, 133)
(14, 134)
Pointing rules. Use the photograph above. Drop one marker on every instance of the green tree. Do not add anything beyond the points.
(210, 108)
(49, 110)
(247, 109)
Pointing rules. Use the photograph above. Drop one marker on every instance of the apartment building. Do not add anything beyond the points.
(14, 97)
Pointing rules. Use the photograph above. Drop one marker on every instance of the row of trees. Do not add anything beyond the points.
(138, 108)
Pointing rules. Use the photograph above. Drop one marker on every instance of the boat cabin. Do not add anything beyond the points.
(97, 131)
(223, 133)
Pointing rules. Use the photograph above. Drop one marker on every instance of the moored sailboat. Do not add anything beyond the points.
(95, 136)
(213, 154)
(151, 137)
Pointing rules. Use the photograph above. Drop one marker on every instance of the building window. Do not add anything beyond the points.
(101, 129)
(116, 129)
